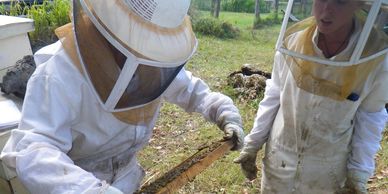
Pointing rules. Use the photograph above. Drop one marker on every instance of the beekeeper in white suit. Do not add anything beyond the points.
(93, 101)
(323, 111)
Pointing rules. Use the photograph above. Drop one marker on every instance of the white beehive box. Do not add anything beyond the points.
(14, 41)
(9, 182)
(14, 45)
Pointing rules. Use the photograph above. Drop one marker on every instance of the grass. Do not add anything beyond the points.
(178, 134)
(243, 21)
(240, 20)
(379, 182)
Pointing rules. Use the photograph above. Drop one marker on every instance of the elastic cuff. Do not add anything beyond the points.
(232, 125)
(358, 176)
(250, 149)
(231, 118)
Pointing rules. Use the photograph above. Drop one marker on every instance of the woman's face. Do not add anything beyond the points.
(334, 16)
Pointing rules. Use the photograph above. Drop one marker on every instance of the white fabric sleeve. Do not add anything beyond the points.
(267, 110)
(37, 150)
(378, 95)
(370, 120)
(266, 113)
(193, 95)
(45, 53)
(366, 140)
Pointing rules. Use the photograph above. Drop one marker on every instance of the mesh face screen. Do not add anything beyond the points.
(145, 9)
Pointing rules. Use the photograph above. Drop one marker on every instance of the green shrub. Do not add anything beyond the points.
(204, 5)
(194, 13)
(271, 19)
(214, 27)
(47, 17)
(229, 31)
(14, 8)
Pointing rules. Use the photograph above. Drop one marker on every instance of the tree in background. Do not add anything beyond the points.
(257, 19)
(276, 7)
(212, 6)
(303, 8)
(215, 8)
(247, 6)
(259, 7)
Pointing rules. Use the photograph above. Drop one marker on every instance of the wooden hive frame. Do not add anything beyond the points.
(186, 171)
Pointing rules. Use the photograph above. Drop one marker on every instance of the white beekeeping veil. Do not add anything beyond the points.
(335, 76)
(131, 50)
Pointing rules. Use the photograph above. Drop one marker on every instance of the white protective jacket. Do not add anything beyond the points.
(313, 141)
(66, 142)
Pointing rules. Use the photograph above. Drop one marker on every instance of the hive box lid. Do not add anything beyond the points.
(12, 26)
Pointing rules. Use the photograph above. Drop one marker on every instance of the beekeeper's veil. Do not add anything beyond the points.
(337, 76)
(131, 50)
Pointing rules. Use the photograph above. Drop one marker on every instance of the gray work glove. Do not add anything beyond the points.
(247, 161)
(356, 183)
(236, 134)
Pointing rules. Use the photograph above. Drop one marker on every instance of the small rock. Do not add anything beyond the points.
(16, 78)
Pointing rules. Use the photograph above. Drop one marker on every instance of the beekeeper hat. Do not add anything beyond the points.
(338, 76)
(157, 29)
(153, 38)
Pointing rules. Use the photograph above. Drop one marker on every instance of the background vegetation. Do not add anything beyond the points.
(245, 6)
(47, 16)
(225, 44)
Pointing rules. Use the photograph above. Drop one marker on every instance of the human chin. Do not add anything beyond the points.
(326, 26)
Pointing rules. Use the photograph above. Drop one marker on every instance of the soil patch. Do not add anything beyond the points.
(248, 82)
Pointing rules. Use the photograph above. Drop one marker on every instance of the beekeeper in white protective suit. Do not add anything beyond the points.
(93, 101)
(323, 112)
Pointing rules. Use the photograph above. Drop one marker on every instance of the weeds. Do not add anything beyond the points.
(47, 17)
(214, 27)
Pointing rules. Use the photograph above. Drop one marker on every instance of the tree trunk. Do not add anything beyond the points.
(276, 6)
(212, 7)
(257, 14)
(216, 8)
(303, 8)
